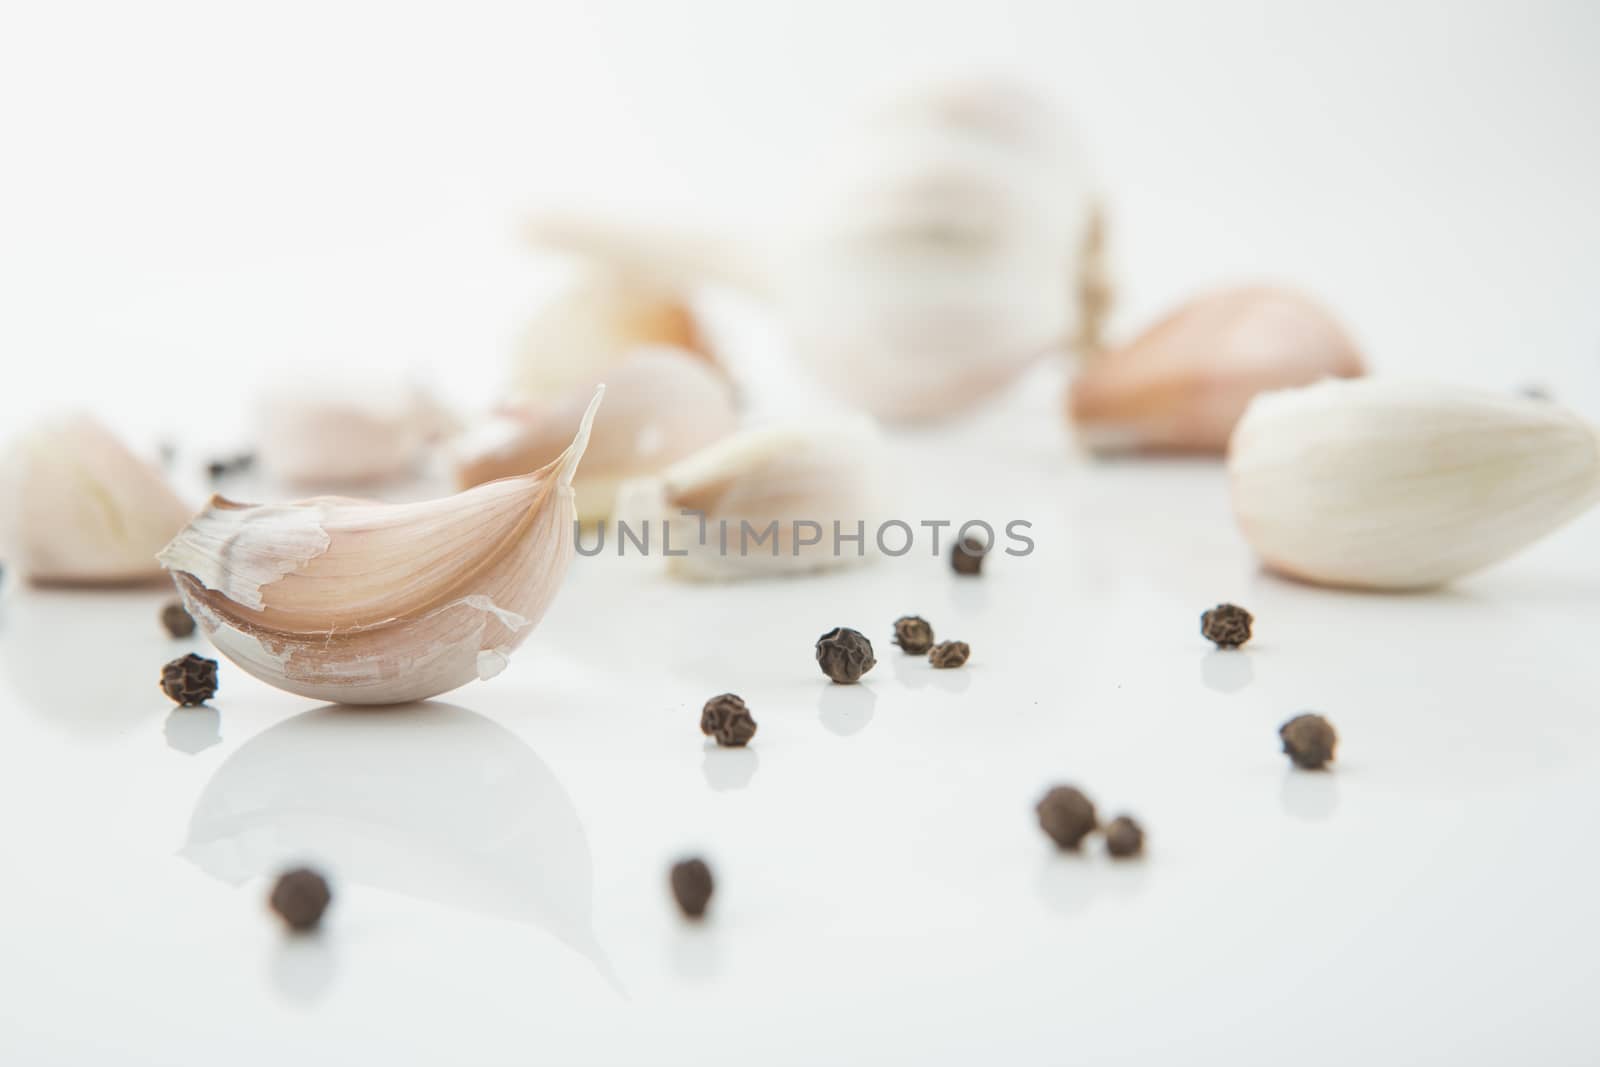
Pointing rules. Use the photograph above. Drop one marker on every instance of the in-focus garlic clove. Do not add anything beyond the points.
(365, 603)
(1385, 485)
(327, 431)
(661, 405)
(77, 508)
(1182, 384)
(765, 495)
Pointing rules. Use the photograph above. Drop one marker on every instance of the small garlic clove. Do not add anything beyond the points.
(78, 508)
(325, 430)
(1182, 384)
(661, 405)
(1384, 485)
(759, 492)
(365, 603)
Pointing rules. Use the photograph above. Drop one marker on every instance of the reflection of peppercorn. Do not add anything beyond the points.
(1308, 740)
(727, 718)
(300, 898)
(1226, 624)
(178, 622)
(967, 556)
(1066, 815)
(913, 634)
(949, 654)
(1124, 837)
(692, 886)
(190, 680)
(844, 655)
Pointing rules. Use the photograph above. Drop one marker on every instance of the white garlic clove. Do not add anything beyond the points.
(1182, 384)
(366, 603)
(661, 405)
(1384, 485)
(78, 508)
(765, 494)
(326, 431)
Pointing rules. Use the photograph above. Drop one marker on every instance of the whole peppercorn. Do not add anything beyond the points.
(913, 634)
(1309, 740)
(966, 557)
(1066, 815)
(727, 718)
(178, 622)
(300, 897)
(844, 655)
(948, 654)
(190, 680)
(1228, 625)
(692, 886)
(1124, 837)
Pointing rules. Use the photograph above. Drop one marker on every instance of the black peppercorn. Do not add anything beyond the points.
(1066, 815)
(844, 655)
(692, 886)
(300, 897)
(913, 634)
(1226, 624)
(727, 718)
(190, 680)
(1124, 837)
(967, 556)
(1309, 740)
(178, 622)
(949, 654)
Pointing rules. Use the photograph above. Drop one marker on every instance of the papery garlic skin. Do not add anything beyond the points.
(332, 432)
(77, 508)
(1383, 485)
(820, 471)
(364, 603)
(662, 404)
(1182, 385)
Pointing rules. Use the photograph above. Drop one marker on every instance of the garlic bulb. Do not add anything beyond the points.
(76, 507)
(769, 501)
(1385, 485)
(1182, 384)
(661, 405)
(331, 432)
(366, 603)
(955, 246)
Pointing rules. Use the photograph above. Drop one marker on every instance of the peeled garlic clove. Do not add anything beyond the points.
(367, 603)
(76, 507)
(332, 432)
(764, 494)
(661, 405)
(1182, 384)
(1384, 485)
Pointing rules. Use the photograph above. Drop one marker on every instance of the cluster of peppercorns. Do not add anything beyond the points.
(1067, 816)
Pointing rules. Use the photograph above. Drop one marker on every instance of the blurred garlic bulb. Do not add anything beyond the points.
(1182, 384)
(327, 431)
(661, 405)
(365, 603)
(1385, 485)
(76, 507)
(769, 501)
(606, 315)
(958, 242)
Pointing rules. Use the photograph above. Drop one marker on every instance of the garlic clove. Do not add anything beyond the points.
(327, 431)
(1384, 485)
(1182, 384)
(78, 508)
(661, 405)
(778, 478)
(366, 603)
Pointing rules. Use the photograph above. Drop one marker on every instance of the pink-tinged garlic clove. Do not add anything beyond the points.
(327, 432)
(1182, 385)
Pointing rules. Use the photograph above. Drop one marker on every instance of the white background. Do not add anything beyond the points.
(196, 196)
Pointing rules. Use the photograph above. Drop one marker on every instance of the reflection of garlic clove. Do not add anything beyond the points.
(323, 431)
(765, 494)
(380, 603)
(1387, 485)
(577, 339)
(661, 405)
(78, 508)
(1182, 384)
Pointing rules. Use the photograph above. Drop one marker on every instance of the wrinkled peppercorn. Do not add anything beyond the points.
(844, 655)
(913, 634)
(948, 654)
(727, 718)
(300, 897)
(177, 621)
(1226, 624)
(1308, 740)
(966, 557)
(1124, 837)
(190, 680)
(1066, 815)
(692, 886)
